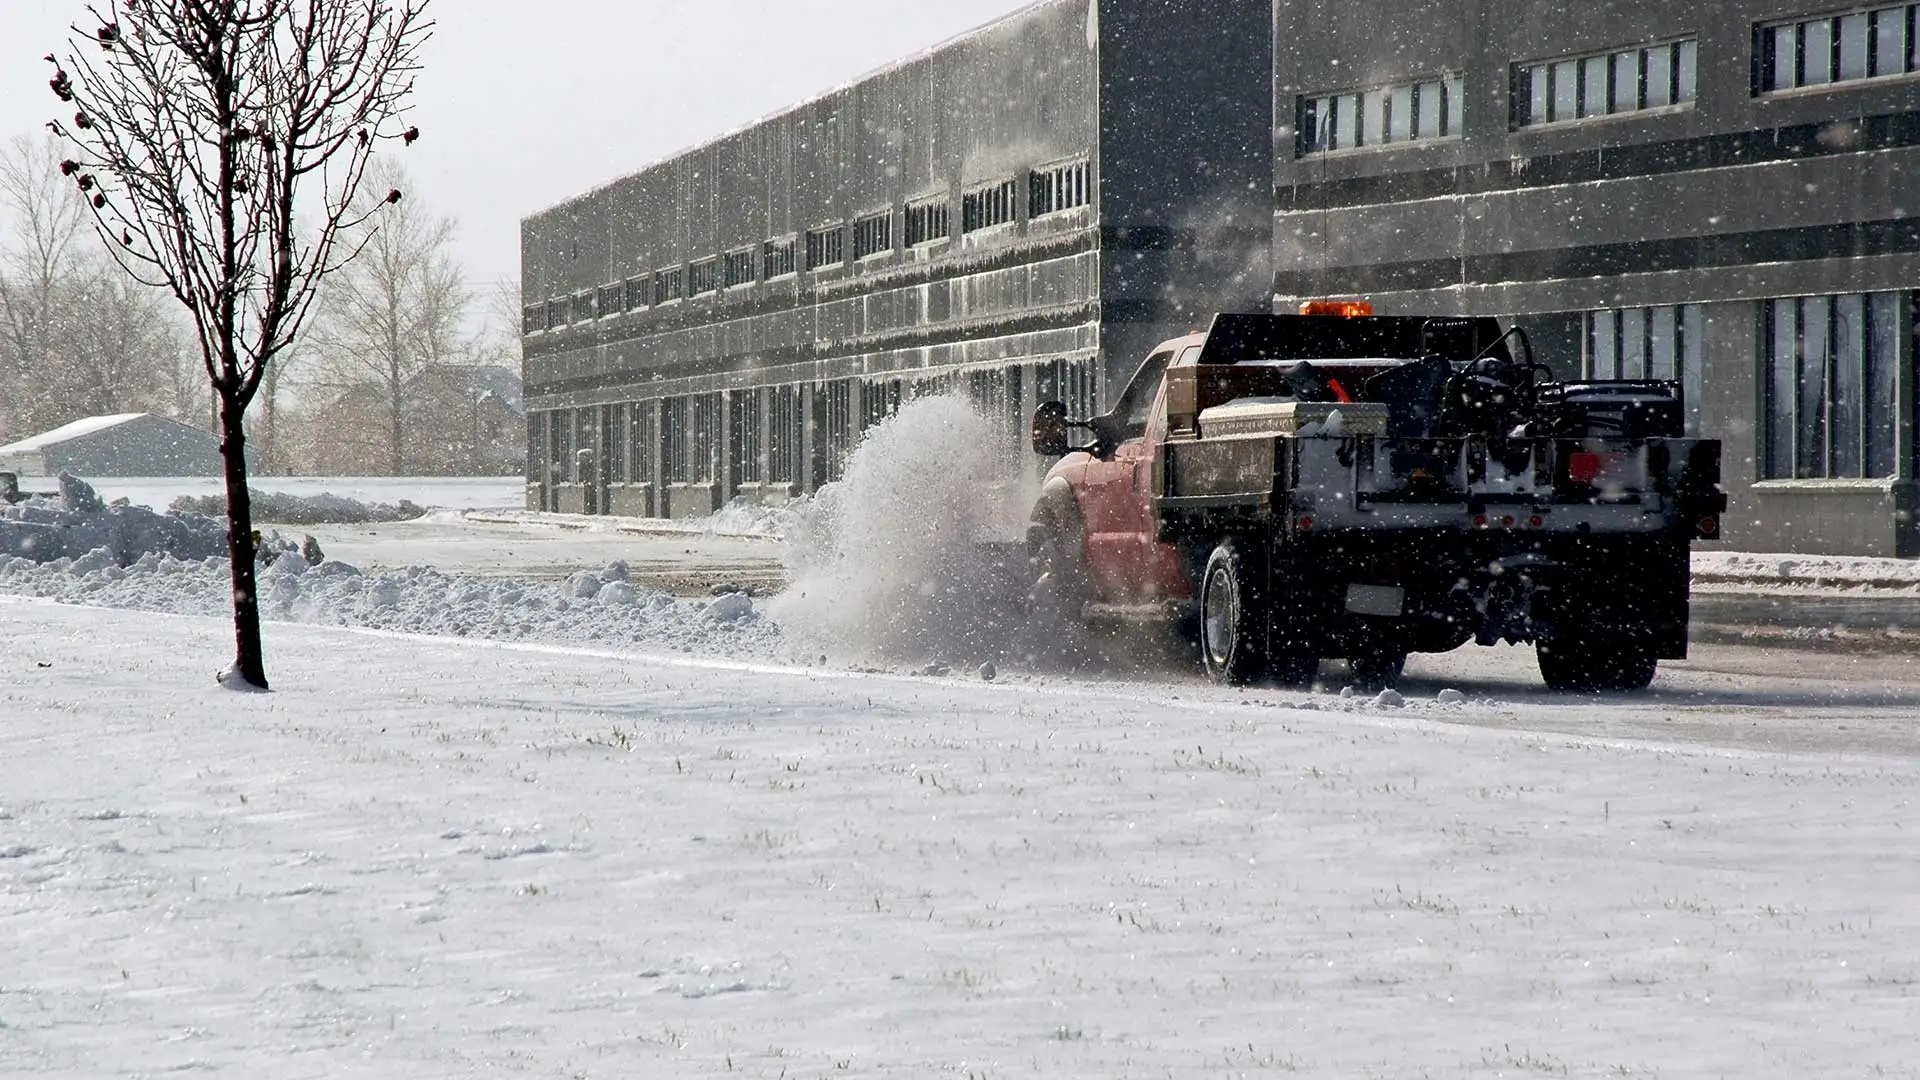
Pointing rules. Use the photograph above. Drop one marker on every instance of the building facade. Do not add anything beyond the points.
(1717, 192)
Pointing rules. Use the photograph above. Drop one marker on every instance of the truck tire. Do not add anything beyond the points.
(1233, 617)
(1583, 663)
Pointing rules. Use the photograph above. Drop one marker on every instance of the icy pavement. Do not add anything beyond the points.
(434, 857)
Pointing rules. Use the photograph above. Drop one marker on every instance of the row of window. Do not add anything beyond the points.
(1828, 367)
(1404, 112)
(767, 433)
(1869, 43)
(1837, 48)
(1050, 190)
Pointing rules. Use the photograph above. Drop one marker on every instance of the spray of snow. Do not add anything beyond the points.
(889, 564)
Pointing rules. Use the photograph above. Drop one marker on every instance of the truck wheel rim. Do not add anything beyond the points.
(1219, 617)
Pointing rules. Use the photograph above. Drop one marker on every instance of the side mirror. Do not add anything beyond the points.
(1049, 429)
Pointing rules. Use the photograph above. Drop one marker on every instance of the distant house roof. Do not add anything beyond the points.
(68, 431)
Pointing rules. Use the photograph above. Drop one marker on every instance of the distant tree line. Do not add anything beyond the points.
(405, 369)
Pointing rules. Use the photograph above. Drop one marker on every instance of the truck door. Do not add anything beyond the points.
(1121, 555)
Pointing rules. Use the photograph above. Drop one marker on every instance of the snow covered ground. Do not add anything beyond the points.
(512, 807)
(437, 857)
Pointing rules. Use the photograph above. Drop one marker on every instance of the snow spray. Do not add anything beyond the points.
(889, 563)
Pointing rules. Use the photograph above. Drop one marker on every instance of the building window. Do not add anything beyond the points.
(533, 318)
(669, 285)
(839, 427)
(983, 208)
(1057, 188)
(703, 277)
(583, 306)
(636, 293)
(927, 222)
(612, 299)
(1403, 112)
(676, 459)
(1664, 343)
(705, 455)
(1606, 84)
(786, 435)
(873, 235)
(739, 268)
(1828, 368)
(826, 247)
(743, 433)
(777, 258)
(1868, 44)
(556, 314)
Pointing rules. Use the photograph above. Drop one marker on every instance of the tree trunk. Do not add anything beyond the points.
(249, 659)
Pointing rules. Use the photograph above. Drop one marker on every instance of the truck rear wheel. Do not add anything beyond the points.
(1233, 617)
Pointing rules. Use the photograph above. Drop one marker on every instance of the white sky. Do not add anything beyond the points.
(525, 104)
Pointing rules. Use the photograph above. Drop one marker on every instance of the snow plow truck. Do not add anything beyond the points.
(1336, 484)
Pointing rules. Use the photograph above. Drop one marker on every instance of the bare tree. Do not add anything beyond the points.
(34, 267)
(77, 337)
(390, 317)
(205, 130)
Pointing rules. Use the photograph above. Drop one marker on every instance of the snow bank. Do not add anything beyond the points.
(282, 508)
(592, 607)
(76, 523)
(887, 564)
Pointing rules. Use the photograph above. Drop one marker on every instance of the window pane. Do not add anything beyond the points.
(1853, 46)
(1692, 363)
(1346, 122)
(1427, 110)
(1659, 76)
(1566, 90)
(1890, 41)
(1810, 440)
(1782, 379)
(1688, 74)
(1913, 40)
(1375, 130)
(1633, 344)
(1883, 411)
(1846, 412)
(1537, 99)
(1785, 48)
(1816, 51)
(1400, 114)
(1662, 345)
(1594, 94)
(1603, 355)
(1456, 105)
(1311, 118)
(1626, 81)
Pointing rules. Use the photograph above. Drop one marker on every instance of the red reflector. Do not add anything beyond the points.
(1536, 521)
(1306, 523)
(1507, 521)
(1585, 466)
(1709, 526)
(1479, 521)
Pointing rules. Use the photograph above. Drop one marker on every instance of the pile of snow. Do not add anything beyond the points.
(886, 564)
(744, 517)
(325, 508)
(1804, 571)
(592, 607)
(75, 523)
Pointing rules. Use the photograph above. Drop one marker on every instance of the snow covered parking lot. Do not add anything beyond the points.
(435, 857)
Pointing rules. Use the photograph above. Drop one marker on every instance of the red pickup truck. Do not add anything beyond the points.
(1298, 487)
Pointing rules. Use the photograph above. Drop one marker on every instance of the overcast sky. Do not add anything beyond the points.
(525, 103)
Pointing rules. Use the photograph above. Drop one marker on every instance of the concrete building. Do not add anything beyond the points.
(125, 444)
(1718, 192)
